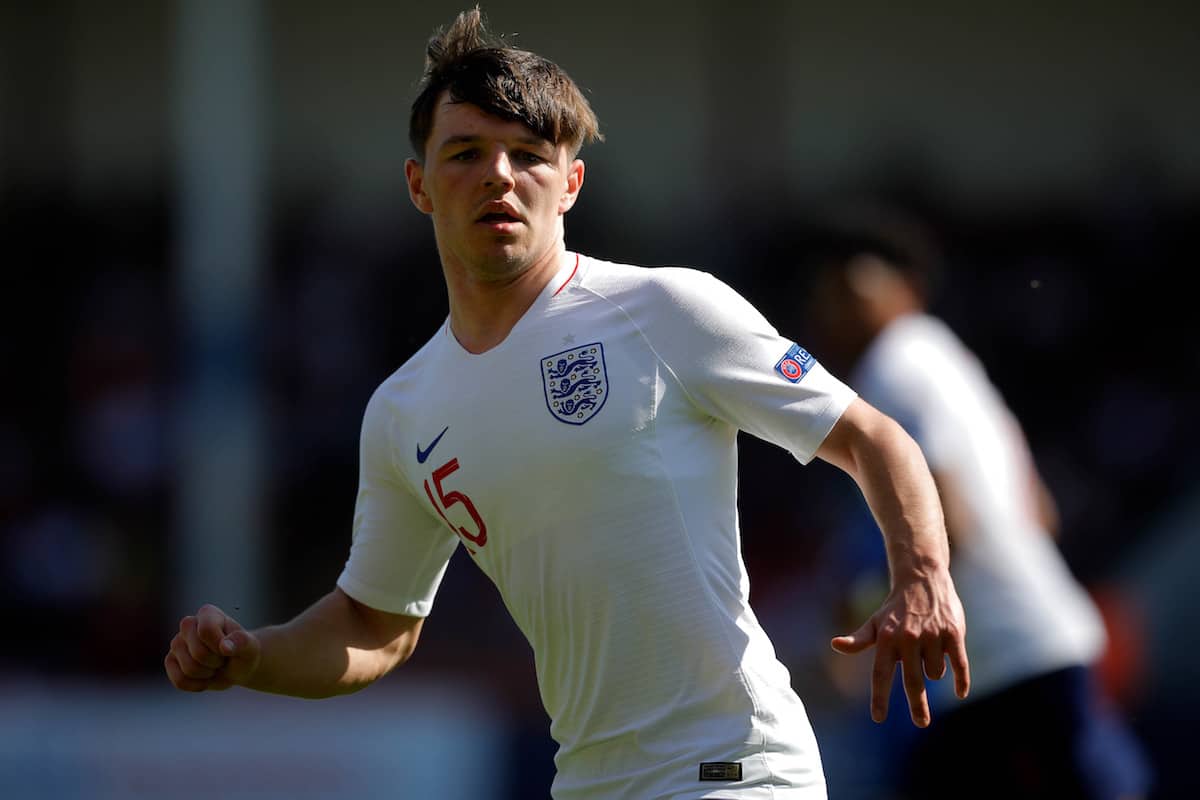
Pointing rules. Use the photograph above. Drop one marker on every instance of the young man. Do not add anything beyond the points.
(1035, 724)
(573, 425)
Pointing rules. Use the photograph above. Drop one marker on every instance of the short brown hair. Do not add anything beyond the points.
(512, 84)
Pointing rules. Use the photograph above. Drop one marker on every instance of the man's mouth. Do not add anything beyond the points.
(498, 217)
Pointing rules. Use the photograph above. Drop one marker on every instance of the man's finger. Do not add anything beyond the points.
(855, 642)
(189, 638)
(240, 645)
(914, 688)
(178, 679)
(242, 650)
(189, 666)
(881, 684)
(957, 652)
(210, 626)
(934, 658)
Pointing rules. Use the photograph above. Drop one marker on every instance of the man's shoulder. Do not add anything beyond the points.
(912, 361)
(667, 282)
(405, 378)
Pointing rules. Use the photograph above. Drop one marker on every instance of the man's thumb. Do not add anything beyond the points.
(855, 642)
(239, 644)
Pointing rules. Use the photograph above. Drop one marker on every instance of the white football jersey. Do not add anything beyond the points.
(1026, 614)
(588, 464)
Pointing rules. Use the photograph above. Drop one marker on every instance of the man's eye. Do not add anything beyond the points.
(464, 155)
(530, 158)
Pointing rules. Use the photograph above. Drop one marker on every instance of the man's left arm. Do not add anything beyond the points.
(921, 622)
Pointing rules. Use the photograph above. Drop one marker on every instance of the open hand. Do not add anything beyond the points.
(920, 624)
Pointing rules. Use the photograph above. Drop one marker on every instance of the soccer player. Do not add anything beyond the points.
(1035, 725)
(573, 425)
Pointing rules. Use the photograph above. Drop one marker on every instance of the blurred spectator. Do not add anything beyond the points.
(1036, 722)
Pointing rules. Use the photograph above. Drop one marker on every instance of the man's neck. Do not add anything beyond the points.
(483, 312)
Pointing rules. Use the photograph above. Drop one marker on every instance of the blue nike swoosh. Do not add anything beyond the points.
(424, 454)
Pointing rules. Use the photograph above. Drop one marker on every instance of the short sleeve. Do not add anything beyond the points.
(399, 550)
(736, 367)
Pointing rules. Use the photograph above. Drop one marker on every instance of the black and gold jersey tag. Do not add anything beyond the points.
(720, 771)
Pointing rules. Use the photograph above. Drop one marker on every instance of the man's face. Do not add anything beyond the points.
(835, 317)
(496, 192)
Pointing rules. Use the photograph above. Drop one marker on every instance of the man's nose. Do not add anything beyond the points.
(499, 171)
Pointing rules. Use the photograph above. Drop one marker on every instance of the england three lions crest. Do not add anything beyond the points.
(576, 383)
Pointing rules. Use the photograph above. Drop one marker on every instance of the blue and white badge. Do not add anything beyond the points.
(795, 364)
(575, 383)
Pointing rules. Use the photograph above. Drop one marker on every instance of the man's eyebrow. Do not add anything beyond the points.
(471, 138)
(462, 138)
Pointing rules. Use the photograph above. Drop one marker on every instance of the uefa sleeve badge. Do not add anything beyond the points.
(575, 382)
(795, 364)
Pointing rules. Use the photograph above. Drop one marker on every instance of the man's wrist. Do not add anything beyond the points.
(911, 566)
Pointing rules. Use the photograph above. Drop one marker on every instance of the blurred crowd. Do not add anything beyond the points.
(1075, 306)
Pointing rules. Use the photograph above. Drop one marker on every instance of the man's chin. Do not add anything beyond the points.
(503, 262)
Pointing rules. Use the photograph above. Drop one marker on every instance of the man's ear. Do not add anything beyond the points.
(415, 173)
(574, 184)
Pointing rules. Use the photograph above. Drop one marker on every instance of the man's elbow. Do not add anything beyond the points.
(366, 666)
(385, 641)
(401, 650)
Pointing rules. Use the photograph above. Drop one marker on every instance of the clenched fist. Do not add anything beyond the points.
(211, 652)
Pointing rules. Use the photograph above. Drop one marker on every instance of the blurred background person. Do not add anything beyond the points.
(1037, 723)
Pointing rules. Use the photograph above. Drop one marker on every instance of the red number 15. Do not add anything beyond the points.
(479, 538)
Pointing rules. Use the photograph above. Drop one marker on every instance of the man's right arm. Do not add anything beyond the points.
(336, 646)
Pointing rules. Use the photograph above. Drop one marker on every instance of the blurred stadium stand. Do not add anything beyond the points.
(118, 742)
